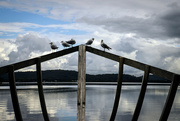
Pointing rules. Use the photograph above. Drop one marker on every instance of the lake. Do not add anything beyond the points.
(61, 102)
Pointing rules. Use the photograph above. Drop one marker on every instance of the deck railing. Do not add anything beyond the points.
(81, 99)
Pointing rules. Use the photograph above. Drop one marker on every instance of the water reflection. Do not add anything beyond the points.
(6, 111)
(62, 104)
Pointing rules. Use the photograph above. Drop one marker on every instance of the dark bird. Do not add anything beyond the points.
(104, 45)
(89, 42)
(53, 46)
(64, 44)
(72, 42)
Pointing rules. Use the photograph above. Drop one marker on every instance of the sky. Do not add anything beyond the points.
(142, 30)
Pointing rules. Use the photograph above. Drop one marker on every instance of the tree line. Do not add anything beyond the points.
(72, 76)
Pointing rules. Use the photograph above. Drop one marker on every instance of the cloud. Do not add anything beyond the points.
(157, 27)
(6, 48)
(170, 21)
(72, 10)
(140, 18)
(32, 45)
(23, 46)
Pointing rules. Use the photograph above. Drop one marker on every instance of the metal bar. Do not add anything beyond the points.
(170, 98)
(81, 99)
(142, 94)
(40, 90)
(14, 96)
(118, 90)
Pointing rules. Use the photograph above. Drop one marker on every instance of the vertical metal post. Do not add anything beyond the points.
(142, 94)
(81, 99)
(14, 96)
(170, 98)
(118, 90)
(40, 90)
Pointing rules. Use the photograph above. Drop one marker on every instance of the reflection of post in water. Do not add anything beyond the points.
(81, 99)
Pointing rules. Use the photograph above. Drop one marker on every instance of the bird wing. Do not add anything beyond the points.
(54, 47)
(71, 41)
(65, 44)
(105, 46)
(89, 42)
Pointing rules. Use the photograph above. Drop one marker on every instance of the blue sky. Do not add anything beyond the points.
(12, 16)
(140, 30)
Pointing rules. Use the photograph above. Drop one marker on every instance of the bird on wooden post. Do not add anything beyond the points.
(53, 46)
(104, 45)
(72, 42)
(89, 42)
(64, 44)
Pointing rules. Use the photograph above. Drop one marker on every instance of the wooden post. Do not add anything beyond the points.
(142, 94)
(14, 96)
(118, 90)
(40, 90)
(81, 99)
(170, 98)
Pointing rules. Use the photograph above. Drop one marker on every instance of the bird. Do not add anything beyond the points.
(72, 42)
(104, 45)
(64, 44)
(89, 42)
(53, 46)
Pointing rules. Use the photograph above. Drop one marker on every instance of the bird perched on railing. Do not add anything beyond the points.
(64, 44)
(89, 42)
(72, 42)
(104, 45)
(53, 46)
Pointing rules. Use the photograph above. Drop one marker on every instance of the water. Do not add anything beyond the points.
(61, 102)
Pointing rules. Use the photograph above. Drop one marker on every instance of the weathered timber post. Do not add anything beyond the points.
(118, 90)
(142, 94)
(14, 96)
(40, 90)
(81, 99)
(170, 98)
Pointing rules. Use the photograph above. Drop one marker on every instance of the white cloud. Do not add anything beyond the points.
(5, 49)
(22, 47)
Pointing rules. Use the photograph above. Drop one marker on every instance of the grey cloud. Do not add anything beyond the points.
(124, 45)
(128, 24)
(159, 55)
(156, 55)
(170, 20)
(27, 44)
(163, 25)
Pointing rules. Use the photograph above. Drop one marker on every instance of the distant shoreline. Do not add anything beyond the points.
(72, 86)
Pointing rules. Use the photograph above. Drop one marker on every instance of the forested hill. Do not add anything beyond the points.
(71, 76)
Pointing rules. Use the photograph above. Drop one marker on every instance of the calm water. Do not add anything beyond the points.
(62, 103)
